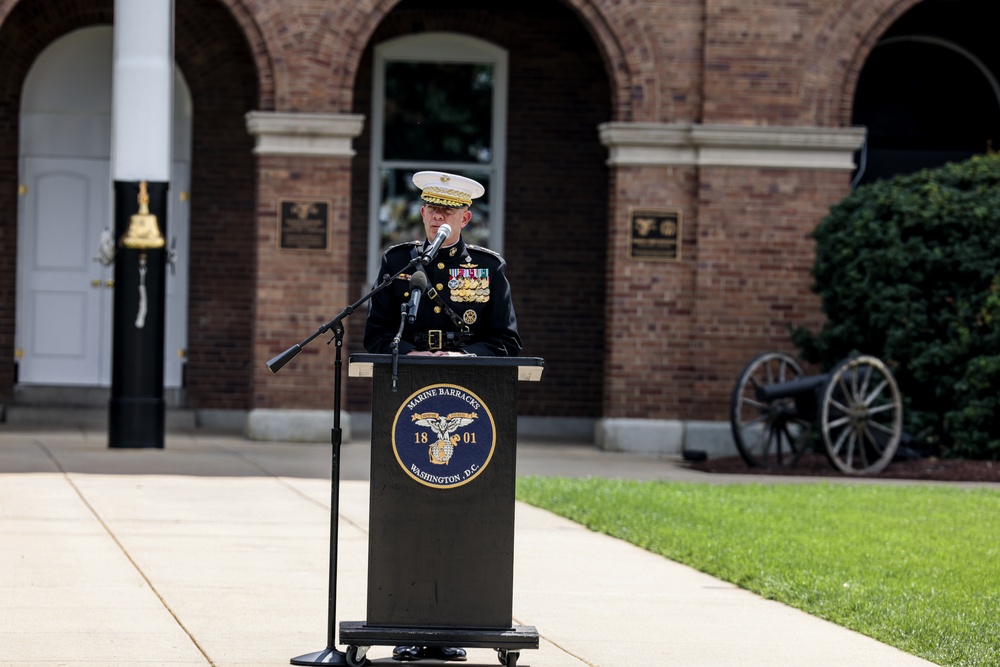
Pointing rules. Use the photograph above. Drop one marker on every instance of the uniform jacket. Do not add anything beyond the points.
(470, 279)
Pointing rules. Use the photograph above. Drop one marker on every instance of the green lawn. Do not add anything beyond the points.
(912, 566)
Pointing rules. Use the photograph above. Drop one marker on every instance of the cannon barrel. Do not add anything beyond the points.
(791, 389)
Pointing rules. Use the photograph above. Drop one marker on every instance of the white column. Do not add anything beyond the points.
(141, 143)
(142, 90)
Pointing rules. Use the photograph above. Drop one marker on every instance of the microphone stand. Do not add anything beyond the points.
(395, 344)
(331, 655)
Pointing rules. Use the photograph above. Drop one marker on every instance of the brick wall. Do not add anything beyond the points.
(754, 257)
(650, 303)
(298, 290)
(620, 337)
(680, 333)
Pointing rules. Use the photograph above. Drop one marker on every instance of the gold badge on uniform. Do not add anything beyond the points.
(469, 317)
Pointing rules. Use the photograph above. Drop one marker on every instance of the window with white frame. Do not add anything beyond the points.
(439, 103)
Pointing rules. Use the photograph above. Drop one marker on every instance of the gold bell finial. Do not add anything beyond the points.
(143, 230)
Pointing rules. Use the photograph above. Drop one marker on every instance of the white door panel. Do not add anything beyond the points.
(64, 296)
(51, 312)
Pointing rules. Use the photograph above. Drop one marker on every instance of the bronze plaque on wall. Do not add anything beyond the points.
(655, 233)
(304, 225)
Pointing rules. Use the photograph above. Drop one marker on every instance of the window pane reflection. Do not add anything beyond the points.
(399, 214)
(438, 112)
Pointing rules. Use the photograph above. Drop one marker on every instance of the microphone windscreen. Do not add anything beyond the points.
(446, 229)
(418, 281)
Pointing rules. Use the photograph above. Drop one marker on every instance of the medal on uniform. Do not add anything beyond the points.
(455, 285)
(469, 284)
(469, 317)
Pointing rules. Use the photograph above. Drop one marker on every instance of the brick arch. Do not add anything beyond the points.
(102, 11)
(559, 92)
(844, 41)
(343, 34)
(25, 31)
(634, 97)
(260, 51)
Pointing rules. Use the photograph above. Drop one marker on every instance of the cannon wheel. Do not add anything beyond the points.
(767, 433)
(861, 416)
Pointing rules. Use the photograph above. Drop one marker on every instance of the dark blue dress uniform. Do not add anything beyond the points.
(467, 279)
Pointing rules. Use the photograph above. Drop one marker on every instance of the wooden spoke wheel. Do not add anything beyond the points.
(768, 431)
(861, 416)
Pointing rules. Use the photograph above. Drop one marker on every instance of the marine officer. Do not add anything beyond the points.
(466, 308)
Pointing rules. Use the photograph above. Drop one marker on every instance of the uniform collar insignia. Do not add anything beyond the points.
(460, 249)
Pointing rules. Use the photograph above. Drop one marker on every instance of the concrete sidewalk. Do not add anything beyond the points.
(214, 551)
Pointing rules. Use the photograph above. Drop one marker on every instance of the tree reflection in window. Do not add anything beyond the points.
(399, 214)
(437, 116)
(438, 112)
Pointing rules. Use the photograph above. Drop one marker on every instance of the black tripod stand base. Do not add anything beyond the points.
(328, 656)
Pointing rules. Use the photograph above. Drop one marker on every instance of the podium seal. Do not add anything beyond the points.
(443, 436)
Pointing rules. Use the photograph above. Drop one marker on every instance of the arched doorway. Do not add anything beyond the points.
(928, 92)
(64, 296)
(438, 77)
(554, 190)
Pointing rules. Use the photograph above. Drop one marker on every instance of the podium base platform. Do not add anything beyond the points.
(359, 637)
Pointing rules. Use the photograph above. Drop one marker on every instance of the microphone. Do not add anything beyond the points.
(418, 283)
(444, 231)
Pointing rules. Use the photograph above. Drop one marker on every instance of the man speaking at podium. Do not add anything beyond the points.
(462, 299)
(457, 302)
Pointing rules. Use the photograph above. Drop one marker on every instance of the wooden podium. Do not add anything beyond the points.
(441, 531)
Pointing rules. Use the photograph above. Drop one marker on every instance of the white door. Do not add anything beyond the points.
(64, 296)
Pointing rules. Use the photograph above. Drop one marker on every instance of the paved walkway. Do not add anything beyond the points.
(214, 551)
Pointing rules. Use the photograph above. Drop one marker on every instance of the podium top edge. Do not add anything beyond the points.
(466, 360)
(529, 368)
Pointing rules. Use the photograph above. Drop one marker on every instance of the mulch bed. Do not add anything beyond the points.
(816, 465)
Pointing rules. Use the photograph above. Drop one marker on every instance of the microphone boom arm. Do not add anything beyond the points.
(278, 362)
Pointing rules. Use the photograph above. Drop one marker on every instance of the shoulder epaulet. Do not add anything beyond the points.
(405, 244)
(482, 249)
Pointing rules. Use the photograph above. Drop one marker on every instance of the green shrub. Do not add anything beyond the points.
(908, 270)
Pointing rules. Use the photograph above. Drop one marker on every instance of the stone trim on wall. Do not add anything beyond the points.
(317, 134)
(665, 437)
(294, 425)
(691, 144)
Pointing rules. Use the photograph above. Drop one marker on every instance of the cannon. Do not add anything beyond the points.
(777, 413)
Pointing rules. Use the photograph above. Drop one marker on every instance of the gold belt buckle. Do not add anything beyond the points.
(434, 339)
